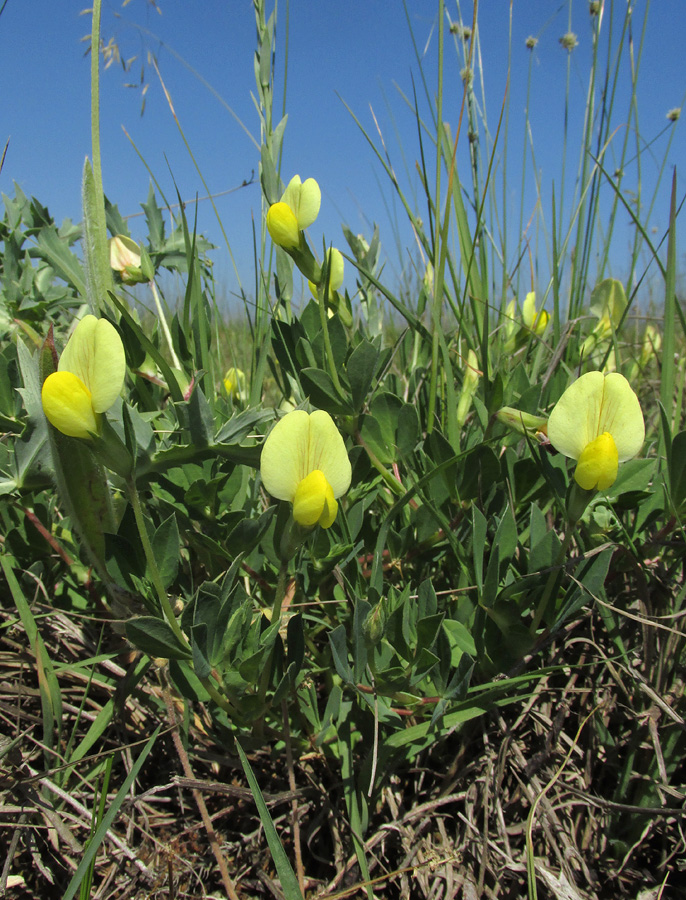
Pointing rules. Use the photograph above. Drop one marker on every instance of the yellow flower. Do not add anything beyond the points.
(88, 380)
(469, 387)
(304, 461)
(297, 210)
(598, 422)
(234, 383)
(534, 321)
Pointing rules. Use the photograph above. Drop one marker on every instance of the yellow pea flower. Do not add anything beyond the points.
(304, 461)
(234, 383)
(534, 321)
(598, 422)
(89, 378)
(297, 210)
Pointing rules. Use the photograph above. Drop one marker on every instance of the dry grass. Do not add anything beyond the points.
(453, 825)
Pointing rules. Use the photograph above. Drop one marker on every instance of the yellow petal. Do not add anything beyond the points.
(327, 452)
(592, 405)
(598, 464)
(234, 383)
(95, 354)
(304, 200)
(314, 501)
(529, 309)
(283, 226)
(67, 405)
(573, 423)
(621, 415)
(541, 322)
(296, 446)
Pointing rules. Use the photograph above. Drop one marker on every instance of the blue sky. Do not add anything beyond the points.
(360, 52)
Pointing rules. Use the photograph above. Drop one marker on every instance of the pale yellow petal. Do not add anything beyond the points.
(95, 354)
(283, 463)
(310, 201)
(573, 423)
(621, 416)
(304, 199)
(67, 405)
(529, 309)
(327, 452)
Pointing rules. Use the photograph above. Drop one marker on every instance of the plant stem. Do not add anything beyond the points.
(164, 326)
(153, 568)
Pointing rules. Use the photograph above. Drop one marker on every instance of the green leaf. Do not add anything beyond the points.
(459, 638)
(289, 883)
(360, 369)
(155, 637)
(99, 280)
(677, 469)
(318, 386)
(165, 546)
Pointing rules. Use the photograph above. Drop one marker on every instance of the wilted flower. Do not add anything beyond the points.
(234, 383)
(88, 380)
(297, 210)
(128, 260)
(304, 461)
(598, 422)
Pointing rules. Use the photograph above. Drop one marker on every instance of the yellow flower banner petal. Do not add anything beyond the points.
(95, 354)
(304, 199)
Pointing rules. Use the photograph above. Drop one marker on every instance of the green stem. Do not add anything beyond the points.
(164, 326)
(153, 568)
(281, 585)
(552, 580)
(390, 480)
(323, 318)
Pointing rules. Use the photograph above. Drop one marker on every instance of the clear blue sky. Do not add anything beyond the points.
(358, 51)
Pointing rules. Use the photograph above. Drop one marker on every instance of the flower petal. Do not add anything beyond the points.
(304, 199)
(598, 464)
(592, 405)
(284, 455)
(621, 415)
(95, 354)
(67, 405)
(296, 446)
(282, 225)
(314, 502)
(327, 452)
(573, 423)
